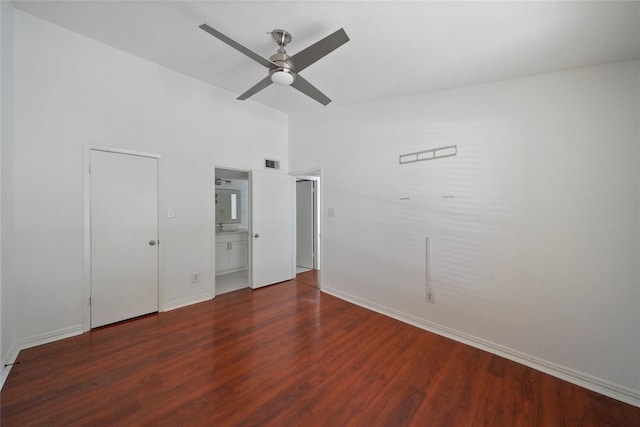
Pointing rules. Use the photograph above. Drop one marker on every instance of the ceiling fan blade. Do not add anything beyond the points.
(318, 50)
(251, 54)
(308, 89)
(256, 88)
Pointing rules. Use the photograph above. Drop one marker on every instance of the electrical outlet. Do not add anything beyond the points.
(430, 297)
(195, 277)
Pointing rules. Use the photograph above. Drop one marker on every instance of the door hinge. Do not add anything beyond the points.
(89, 301)
(89, 168)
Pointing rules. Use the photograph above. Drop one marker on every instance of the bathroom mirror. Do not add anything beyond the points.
(227, 206)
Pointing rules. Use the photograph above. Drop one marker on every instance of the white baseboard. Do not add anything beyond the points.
(598, 385)
(52, 336)
(32, 342)
(72, 331)
(187, 301)
(8, 361)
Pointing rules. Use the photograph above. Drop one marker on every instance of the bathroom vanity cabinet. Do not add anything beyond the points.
(232, 252)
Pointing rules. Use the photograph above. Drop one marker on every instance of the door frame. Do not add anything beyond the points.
(86, 274)
(316, 174)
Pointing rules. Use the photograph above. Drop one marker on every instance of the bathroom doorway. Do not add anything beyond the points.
(231, 219)
(254, 229)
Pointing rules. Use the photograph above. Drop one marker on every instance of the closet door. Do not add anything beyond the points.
(124, 236)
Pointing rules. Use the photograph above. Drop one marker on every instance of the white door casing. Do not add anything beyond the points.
(272, 228)
(124, 236)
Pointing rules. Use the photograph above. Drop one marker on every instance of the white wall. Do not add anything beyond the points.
(536, 255)
(71, 91)
(8, 340)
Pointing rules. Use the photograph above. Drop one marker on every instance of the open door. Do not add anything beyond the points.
(272, 228)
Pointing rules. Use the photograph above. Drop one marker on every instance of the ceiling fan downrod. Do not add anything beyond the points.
(283, 73)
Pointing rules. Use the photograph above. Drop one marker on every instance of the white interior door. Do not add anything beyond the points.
(272, 228)
(124, 236)
(304, 223)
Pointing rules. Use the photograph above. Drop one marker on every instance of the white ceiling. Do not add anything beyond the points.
(397, 48)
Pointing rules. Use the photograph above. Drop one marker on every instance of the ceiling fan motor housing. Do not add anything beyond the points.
(287, 73)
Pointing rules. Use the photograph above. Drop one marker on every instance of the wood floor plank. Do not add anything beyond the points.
(286, 355)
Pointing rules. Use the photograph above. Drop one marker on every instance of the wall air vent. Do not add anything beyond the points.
(272, 164)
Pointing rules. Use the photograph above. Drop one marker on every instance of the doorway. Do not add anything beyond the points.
(305, 225)
(308, 221)
(231, 220)
(255, 249)
(123, 233)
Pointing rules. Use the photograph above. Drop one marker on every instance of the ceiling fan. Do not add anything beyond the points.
(284, 69)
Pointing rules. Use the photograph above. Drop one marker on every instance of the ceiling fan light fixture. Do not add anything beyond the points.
(282, 77)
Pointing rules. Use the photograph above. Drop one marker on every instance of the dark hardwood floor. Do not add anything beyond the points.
(286, 355)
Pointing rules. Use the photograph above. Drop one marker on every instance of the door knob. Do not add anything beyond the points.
(256, 235)
(152, 242)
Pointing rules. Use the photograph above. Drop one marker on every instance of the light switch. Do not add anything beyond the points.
(171, 213)
(331, 212)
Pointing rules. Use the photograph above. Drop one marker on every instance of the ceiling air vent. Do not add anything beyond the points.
(271, 164)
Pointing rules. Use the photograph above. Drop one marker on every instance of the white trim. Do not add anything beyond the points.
(587, 381)
(12, 355)
(51, 336)
(86, 271)
(187, 301)
(122, 151)
(26, 343)
(86, 239)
